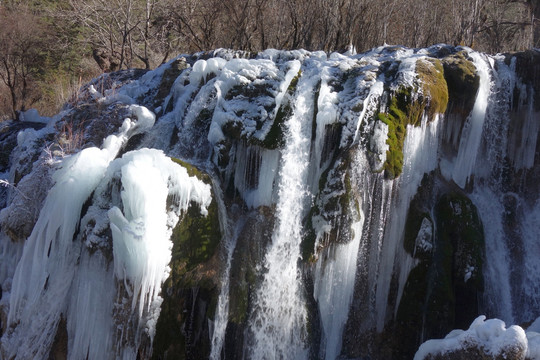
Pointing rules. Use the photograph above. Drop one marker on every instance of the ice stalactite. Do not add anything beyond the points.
(471, 135)
(334, 285)
(141, 231)
(45, 275)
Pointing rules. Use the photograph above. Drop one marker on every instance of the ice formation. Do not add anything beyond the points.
(312, 254)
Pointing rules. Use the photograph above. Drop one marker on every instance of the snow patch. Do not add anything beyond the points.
(490, 335)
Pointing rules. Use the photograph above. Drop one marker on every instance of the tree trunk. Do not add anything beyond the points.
(535, 10)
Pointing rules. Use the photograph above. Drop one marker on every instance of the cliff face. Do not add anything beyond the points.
(284, 205)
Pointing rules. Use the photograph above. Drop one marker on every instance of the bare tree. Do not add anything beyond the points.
(117, 30)
(21, 49)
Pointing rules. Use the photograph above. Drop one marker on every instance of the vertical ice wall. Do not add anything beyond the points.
(45, 272)
(334, 284)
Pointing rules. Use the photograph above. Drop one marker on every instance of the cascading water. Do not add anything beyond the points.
(222, 312)
(506, 214)
(278, 321)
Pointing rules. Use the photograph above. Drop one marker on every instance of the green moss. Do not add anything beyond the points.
(193, 171)
(462, 81)
(434, 87)
(197, 236)
(403, 109)
(397, 119)
(195, 243)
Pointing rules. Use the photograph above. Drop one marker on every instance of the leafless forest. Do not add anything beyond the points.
(48, 48)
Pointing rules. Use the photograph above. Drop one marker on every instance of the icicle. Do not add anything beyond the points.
(471, 135)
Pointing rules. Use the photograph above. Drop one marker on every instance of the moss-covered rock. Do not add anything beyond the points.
(447, 281)
(459, 225)
(434, 88)
(191, 291)
(406, 106)
(463, 82)
(167, 80)
(400, 113)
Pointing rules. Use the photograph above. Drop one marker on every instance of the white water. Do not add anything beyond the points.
(471, 135)
(222, 311)
(498, 290)
(419, 157)
(278, 321)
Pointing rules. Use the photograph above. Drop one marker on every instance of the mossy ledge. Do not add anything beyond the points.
(434, 87)
(191, 291)
(463, 82)
(406, 106)
(193, 171)
(401, 112)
